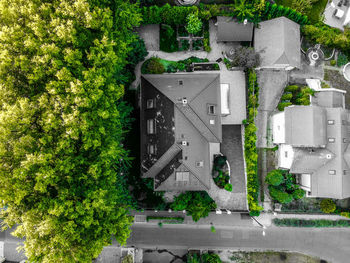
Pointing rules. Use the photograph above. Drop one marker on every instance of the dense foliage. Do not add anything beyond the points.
(167, 219)
(197, 204)
(283, 187)
(328, 206)
(250, 150)
(295, 95)
(295, 222)
(194, 24)
(63, 123)
(204, 258)
(177, 15)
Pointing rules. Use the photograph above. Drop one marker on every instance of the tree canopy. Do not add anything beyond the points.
(62, 124)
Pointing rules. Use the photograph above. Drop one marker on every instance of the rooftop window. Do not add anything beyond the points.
(150, 103)
(211, 109)
(182, 176)
(331, 172)
(331, 139)
(330, 122)
(151, 126)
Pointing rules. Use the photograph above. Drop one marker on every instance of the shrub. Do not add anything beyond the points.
(194, 24)
(154, 66)
(127, 259)
(282, 105)
(328, 206)
(342, 59)
(210, 258)
(275, 177)
(333, 62)
(228, 187)
(212, 229)
(298, 193)
(279, 195)
(345, 214)
(291, 88)
(219, 162)
(287, 97)
(295, 222)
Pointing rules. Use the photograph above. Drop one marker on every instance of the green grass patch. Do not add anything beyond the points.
(295, 222)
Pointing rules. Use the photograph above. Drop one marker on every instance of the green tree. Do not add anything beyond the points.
(298, 194)
(197, 204)
(275, 177)
(153, 66)
(63, 123)
(243, 10)
(194, 258)
(328, 206)
(194, 24)
(279, 195)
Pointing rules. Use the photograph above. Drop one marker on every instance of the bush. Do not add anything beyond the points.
(287, 97)
(298, 193)
(342, 59)
(127, 259)
(275, 177)
(154, 66)
(228, 187)
(210, 258)
(291, 88)
(167, 219)
(219, 162)
(328, 206)
(345, 214)
(295, 222)
(279, 195)
(212, 229)
(283, 105)
(333, 62)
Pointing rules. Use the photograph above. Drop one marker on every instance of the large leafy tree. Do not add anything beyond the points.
(62, 124)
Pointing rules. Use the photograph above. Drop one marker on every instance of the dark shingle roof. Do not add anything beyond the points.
(230, 29)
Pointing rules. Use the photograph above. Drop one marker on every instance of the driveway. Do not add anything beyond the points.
(272, 84)
(231, 147)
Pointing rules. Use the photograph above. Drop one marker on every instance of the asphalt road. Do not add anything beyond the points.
(332, 245)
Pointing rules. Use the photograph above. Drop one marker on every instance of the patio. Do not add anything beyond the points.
(337, 13)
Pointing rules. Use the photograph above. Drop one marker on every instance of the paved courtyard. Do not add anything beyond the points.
(150, 35)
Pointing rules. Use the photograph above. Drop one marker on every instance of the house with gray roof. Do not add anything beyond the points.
(314, 144)
(278, 42)
(180, 129)
(230, 30)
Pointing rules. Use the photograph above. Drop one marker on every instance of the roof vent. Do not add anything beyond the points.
(184, 143)
(245, 21)
(184, 101)
(329, 156)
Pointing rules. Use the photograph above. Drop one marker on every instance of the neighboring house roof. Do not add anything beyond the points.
(192, 124)
(305, 126)
(320, 137)
(329, 99)
(229, 29)
(278, 41)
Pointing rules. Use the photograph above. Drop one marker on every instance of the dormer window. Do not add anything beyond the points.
(151, 126)
(211, 109)
(330, 122)
(181, 82)
(150, 104)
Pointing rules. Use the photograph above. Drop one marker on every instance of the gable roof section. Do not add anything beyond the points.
(229, 29)
(278, 41)
(192, 125)
(305, 126)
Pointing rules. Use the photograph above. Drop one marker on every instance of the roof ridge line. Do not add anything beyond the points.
(195, 175)
(204, 88)
(198, 118)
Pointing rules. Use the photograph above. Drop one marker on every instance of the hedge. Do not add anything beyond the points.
(176, 15)
(167, 219)
(250, 151)
(295, 222)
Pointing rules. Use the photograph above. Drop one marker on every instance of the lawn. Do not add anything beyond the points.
(315, 11)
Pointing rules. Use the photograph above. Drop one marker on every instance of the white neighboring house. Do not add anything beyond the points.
(314, 144)
(278, 42)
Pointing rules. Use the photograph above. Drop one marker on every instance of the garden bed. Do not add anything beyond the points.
(221, 173)
(295, 222)
(295, 95)
(206, 66)
(166, 219)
